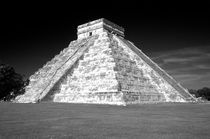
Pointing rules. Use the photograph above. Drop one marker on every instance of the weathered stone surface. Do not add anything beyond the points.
(42, 81)
(105, 69)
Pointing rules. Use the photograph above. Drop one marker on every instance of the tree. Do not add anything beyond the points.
(11, 83)
(193, 92)
(203, 93)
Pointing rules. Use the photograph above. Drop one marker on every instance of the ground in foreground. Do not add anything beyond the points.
(54, 120)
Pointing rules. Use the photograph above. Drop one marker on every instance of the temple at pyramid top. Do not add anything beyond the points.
(98, 26)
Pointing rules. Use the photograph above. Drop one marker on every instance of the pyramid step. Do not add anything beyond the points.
(67, 65)
(43, 81)
(160, 71)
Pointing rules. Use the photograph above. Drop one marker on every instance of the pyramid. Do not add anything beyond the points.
(102, 67)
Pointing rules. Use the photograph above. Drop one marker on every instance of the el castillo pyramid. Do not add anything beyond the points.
(102, 67)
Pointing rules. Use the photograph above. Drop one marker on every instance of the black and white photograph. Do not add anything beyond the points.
(105, 70)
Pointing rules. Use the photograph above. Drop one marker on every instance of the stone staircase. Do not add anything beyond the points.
(45, 78)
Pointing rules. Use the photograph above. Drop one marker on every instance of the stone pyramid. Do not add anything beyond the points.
(102, 67)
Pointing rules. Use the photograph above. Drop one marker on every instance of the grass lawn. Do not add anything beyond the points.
(57, 120)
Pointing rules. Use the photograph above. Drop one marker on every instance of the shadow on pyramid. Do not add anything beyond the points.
(102, 67)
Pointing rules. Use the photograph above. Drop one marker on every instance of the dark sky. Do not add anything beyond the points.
(175, 35)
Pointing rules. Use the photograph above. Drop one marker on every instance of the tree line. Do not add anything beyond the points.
(12, 84)
(203, 93)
